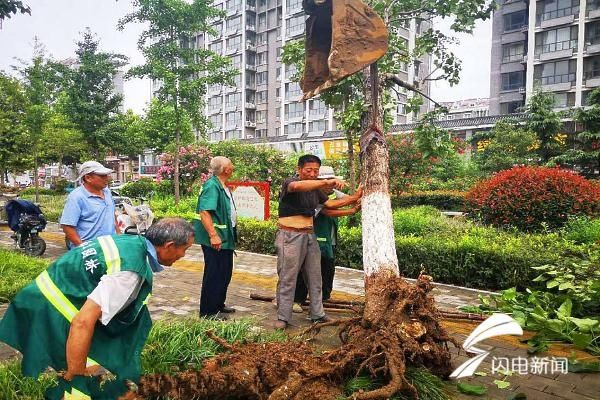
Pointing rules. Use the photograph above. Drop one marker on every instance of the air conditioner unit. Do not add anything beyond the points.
(522, 90)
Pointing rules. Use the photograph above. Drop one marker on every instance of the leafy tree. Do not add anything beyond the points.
(13, 129)
(92, 102)
(43, 80)
(505, 146)
(586, 152)
(63, 142)
(8, 7)
(159, 126)
(127, 136)
(172, 59)
(546, 123)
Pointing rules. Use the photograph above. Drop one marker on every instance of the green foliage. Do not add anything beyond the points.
(505, 146)
(256, 163)
(17, 270)
(164, 206)
(545, 123)
(13, 130)
(51, 202)
(9, 7)
(256, 236)
(467, 388)
(566, 309)
(126, 134)
(449, 200)
(159, 126)
(583, 230)
(585, 154)
(428, 386)
(15, 386)
(91, 102)
(143, 188)
(62, 140)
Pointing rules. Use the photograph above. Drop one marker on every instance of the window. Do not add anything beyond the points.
(218, 30)
(262, 77)
(250, 97)
(592, 68)
(233, 134)
(236, 61)
(262, 21)
(250, 115)
(292, 91)
(234, 24)
(262, 3)
(293, 5)
(515, 20)
(592, 33)
(278, 52)
(290, 71)
(551, 9)
(214, 136)
(214, 88)
(233, 6)
(511, 107)
(513, 52)
(261, 116)
(250, 79)
(234, 43)
(278, 73)
(295, 25)
(234, 100)
(251, 21)
(563, 100)
(400, 109)
(237, 81)
(296, 129)
(216, 47)
(294, 110)
(216, 122)
(556, 40)
(214, 103)
(260, 133)
(261, 58)
(233, 118)
(261, 97)
(277, 131)
(317, 126)
(556, 72)
(513, 80)
(317, 108)
(251, 59)
(262, 38)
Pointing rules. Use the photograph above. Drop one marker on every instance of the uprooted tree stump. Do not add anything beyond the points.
(399, 326)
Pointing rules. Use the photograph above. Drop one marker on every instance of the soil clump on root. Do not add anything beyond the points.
(399, 326)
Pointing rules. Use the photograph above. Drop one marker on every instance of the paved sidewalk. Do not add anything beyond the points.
(177, 289)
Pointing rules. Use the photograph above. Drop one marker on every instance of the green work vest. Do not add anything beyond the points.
(213, 198)
(38, 320)
(326, 230)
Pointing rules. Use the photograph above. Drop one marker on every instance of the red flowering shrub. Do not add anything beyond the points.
(530, 198)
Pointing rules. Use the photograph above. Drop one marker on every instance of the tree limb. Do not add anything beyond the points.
(395, 79)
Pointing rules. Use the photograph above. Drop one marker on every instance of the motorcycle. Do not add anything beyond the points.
(26, 220)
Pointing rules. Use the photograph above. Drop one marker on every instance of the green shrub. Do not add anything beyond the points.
(142, 188)
(51, 204)
(256, 236)
(17, 270)
(30, 191)
(583, 230)
(164, 206)
(534, 198)
(452, 200)
(15, 386)
(60, 186)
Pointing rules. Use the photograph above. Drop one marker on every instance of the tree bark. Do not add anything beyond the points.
(37, 179)
(379, 249)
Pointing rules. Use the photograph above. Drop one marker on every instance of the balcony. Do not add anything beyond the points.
(592, 45)
(250, 105)
(251, 68)
(232, 50)
(251, 46)
(593, 10)
(517, 57)
(232, 31)
(560, 16)
(550, 51)
(592, 78)
(250, 124)
(251, 8)
(251, 27)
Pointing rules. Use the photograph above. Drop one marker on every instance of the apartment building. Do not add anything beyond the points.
(551, 44)
(264, 101)
(466, 108)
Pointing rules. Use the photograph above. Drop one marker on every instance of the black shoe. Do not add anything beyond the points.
(324, 318)
(227, 310)
(216, 317)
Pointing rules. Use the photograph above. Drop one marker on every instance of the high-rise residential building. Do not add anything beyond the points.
(264, 101)
(551, 44)
(467, 108)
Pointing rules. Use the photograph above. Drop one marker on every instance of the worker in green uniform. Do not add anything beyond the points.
(326, 228)
(87, 312)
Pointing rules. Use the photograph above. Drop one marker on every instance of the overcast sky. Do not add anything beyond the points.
(58, 24)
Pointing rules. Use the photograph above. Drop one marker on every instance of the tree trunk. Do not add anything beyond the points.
(176, 158)
(37, 179)
(379, 250)
(351, 163)
(2, 172)
(130, 168)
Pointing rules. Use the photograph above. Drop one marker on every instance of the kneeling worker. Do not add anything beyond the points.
(88, 310)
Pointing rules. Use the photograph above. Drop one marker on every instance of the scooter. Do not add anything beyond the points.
(26, 220)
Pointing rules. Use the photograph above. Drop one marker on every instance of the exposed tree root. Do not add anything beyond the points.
(399, 326)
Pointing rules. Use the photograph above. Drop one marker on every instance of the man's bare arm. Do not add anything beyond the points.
(80, 338)
(71, 234)
(340, 213)
(316, 184)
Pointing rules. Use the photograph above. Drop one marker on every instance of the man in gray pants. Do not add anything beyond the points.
(296, 243)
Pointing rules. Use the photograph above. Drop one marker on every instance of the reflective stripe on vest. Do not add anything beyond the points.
(220, 226)
(147, 298)
(60, 302)
(111, 254)
(76, 395)
(321, 239)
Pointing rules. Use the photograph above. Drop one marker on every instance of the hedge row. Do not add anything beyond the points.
(449, 200)
(469, 256)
